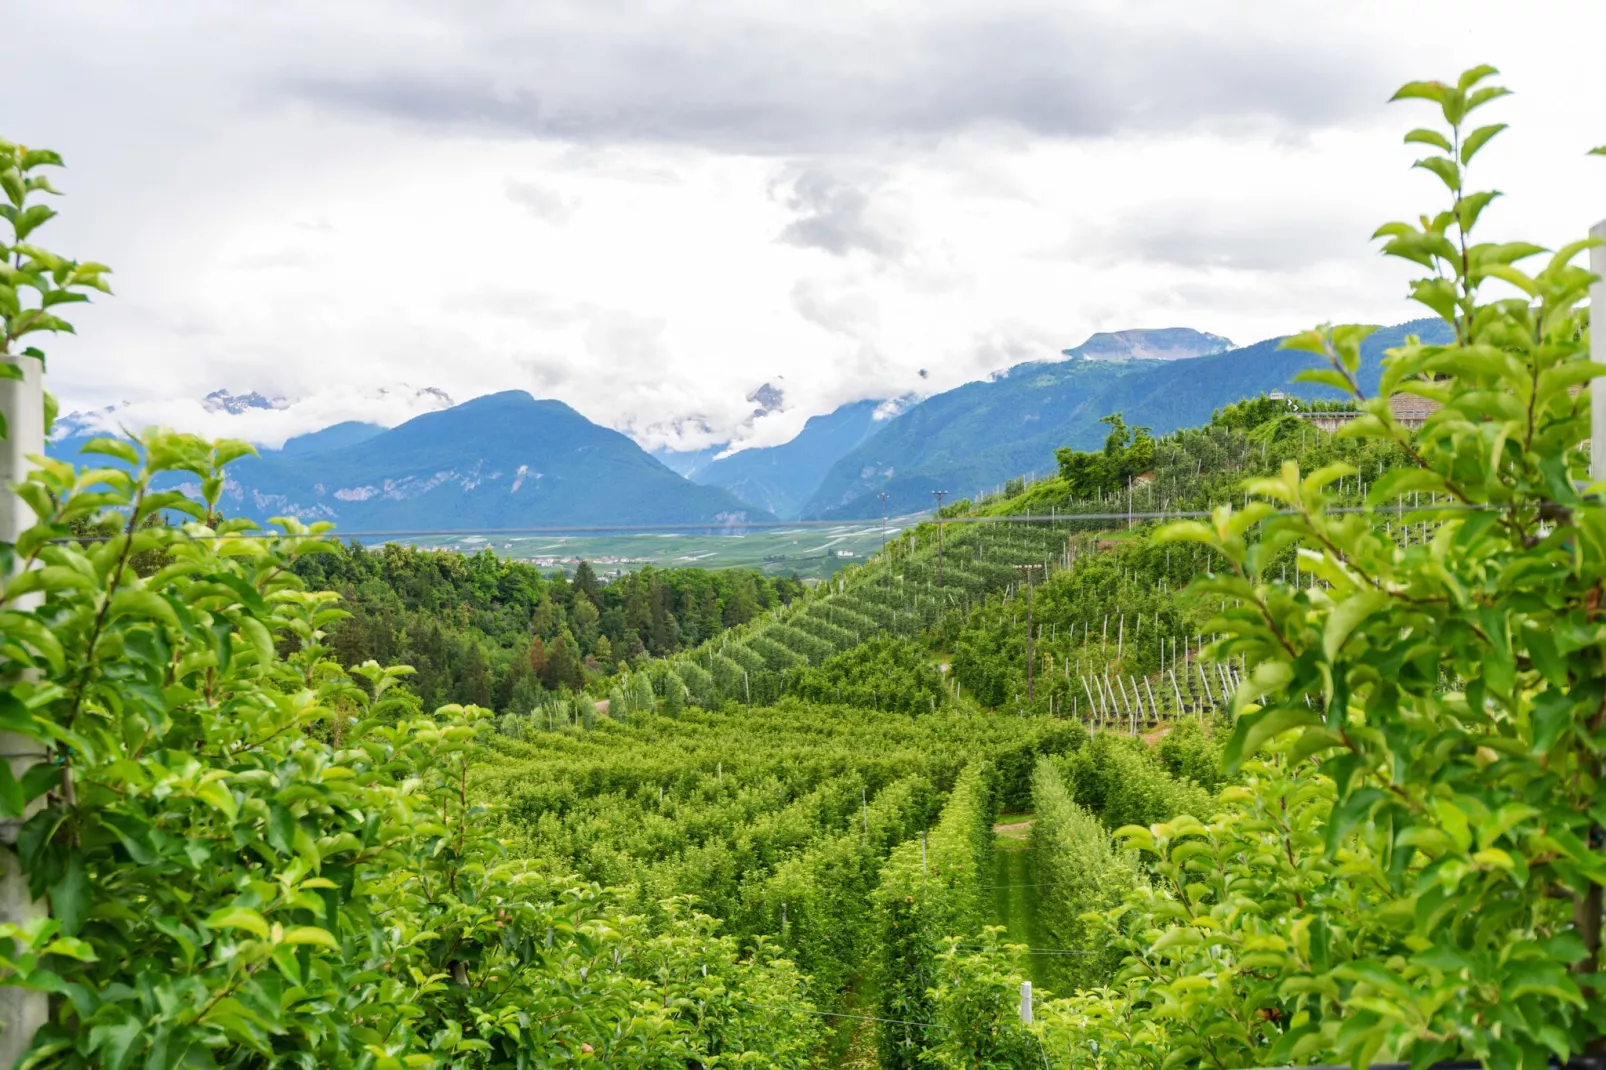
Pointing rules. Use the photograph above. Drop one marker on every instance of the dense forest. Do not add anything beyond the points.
(496, 633)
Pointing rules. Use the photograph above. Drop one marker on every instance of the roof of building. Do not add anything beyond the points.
(1412, 407)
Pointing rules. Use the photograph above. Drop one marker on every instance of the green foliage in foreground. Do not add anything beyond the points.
(255, 856)
(1414, 872)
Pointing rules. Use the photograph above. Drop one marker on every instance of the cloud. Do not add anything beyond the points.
(847, 310)
(266, 427)
(834, 215)
(540, 201)
(583, 199)
(1237, 236)
(763, 79)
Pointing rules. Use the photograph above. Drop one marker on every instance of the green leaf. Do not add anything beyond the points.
(1478, 139)
(12, 802)
(69, 895)
(1424, 136)
(1312, 741)
(1439, 295)
(1473, 75)
(311, 934)
(31, 218)
(1255, 729)
(116, 1043)
(239, 918)
(1445, 168)
(1434, 91)
(16, 717)
(1325, 377)
(1346, 616)
(1542, 648)
(1483, 96)
(39, 158)
(112, 447)
(146, 604)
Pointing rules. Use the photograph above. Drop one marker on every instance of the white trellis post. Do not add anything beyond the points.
(22, 401)
(1597, 303)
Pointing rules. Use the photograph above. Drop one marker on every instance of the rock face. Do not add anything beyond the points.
(1164, 343)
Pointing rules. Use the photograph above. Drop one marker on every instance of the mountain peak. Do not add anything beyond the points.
(768, 398)
(1162, 343)
(513, 401)
(234, 404)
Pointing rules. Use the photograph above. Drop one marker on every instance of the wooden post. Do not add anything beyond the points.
(1027, 569)
(22, 1012)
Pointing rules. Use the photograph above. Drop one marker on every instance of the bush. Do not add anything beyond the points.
(1077, 872)
(1117, 778)
(263, 856)
(925, 897)
(883, 673)
(1190, 753)
(815, 900)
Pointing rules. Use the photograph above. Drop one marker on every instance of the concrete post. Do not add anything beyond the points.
(1026, 1002)
(22, 1013)
(1597, 334)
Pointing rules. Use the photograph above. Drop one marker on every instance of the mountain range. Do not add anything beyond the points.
(498, 461)
(976, 436)
(781, 478)
(1165, 343)
(509, 460)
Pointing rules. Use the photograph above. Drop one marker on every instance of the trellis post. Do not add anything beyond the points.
(22, 1012)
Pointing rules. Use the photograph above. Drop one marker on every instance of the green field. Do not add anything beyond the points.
(813, 552)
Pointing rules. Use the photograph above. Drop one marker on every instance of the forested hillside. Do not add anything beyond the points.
(487, 631)
(977, 436)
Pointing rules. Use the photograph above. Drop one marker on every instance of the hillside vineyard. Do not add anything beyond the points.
(1271, 741)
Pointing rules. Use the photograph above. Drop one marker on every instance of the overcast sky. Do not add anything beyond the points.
(649, 209)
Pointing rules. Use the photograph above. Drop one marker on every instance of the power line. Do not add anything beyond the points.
(837, 1014)
(739, 528)
(1027, 950)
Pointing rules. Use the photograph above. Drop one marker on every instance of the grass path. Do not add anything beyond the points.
(1014, 905)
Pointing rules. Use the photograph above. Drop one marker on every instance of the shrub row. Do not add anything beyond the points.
(931, 888)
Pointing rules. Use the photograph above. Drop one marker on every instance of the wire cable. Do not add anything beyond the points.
(736, 529)
(838, 1014)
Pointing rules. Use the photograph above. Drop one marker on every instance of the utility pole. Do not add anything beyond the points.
(1030, 654)
(939, 495)
(883, 497)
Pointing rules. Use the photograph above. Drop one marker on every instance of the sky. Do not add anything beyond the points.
(650, 209)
